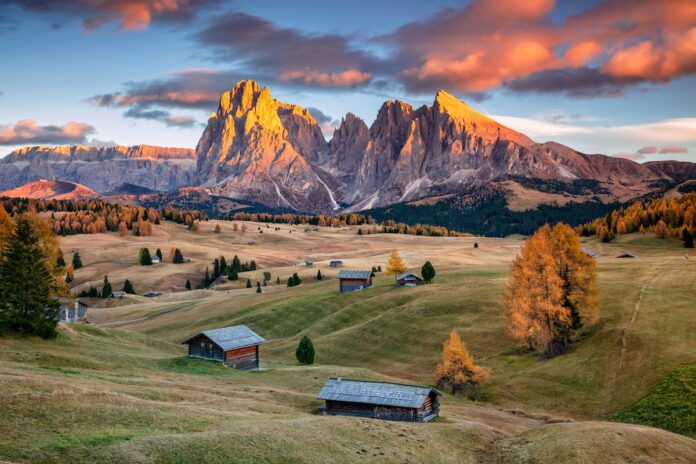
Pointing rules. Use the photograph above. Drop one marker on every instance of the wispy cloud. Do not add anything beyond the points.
(28, 131)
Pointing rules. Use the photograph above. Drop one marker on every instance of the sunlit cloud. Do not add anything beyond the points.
(28, 131)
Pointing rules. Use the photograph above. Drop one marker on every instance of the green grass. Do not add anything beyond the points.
(670, 406)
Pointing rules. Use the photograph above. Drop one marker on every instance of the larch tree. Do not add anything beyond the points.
(457, 369)
(395, 264)
(27, 294)
(552, 291)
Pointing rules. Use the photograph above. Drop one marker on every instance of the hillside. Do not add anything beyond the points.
(52, 189)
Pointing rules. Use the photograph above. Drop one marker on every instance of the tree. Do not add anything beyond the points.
(106, 288)
(217, 228)
(93, 292)
(687, 237)
(457, 369)
(319, 276)
(178, 257)
(6, 228)
(76, 261)
(223, 265)
(232, 275)
(428, 272)
(122, 229)
(248, 284)
(258, 287)
(188, 284)
(159, 254)
(60, 261)
(266, 276)
(144, 257)
(476, 245)
(27, 294)
(294, 280)
(278, 280)
(552, 292)
(236, 264)
(395, 265)
(661, 229)
(127, 287)
(305, 351)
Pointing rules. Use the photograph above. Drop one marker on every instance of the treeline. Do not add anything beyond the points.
(70, 217)
(386, 226)
(222, 268)
(666, 217)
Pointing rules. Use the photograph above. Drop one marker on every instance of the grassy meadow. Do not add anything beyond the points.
(122, 390)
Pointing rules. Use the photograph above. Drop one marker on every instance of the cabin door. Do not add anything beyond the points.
(206, 349)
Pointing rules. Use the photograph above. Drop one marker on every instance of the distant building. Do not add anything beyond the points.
(187, 260)
(72, 310)
(590, 253)
(236, 346)
(309, 263)
(627, 254)
(380, 400)
(151, 294)
(409, 279)
(251, 242)
(155, 259)
(336, 263)
(350, 281)
(118, 294)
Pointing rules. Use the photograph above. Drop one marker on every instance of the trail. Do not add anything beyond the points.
(328, 190)
(624, 336)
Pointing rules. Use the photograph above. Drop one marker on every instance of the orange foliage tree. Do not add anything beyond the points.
(552, 291)
(457, 369)
(395, 264)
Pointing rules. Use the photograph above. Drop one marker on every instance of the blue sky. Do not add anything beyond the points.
(611, 77)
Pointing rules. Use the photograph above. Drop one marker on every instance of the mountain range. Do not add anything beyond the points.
(261, 150)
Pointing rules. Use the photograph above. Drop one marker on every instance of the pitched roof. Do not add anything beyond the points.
(230, 338)
(383, 393)
(408, 274)
(590, 253)
(355, 274)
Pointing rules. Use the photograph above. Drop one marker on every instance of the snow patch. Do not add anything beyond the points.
(331, 196)
(282, 197)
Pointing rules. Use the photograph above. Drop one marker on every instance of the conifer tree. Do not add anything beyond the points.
(248, 284)
(457, 369)
(106, 288)
(395, 265)
(178, 257)
(127, 287)
(76, 261)
(428, 272)
(27, 294)
(6, 228)
(319, 276)
(258, 287)
(188, 284)
(223, 265)
(159, 254)
(60, 261)
(687, 237)
(266, 276)
(144, 257)
(236, 264)
(278, 280)
(232, 275)
(216, 269)
(305, 351)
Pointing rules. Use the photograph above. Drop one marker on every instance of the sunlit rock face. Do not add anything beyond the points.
(257, 148)
(100, 169)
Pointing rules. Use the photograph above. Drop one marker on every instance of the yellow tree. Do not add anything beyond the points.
(395, 264)
(552, 291)
(6, 227)
(457, 369)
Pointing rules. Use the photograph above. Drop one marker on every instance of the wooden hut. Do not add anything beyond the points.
(350, 281)
(236, 346)
(336, 263)
(72, 310)
(409, 279)
(627, 254)
(380, 400)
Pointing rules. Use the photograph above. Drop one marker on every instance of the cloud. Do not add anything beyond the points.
(670, 150)
(327, 124)
(313, 59)
(128, 14)
(101, 143)
(28, 131)
(649, 150)
(630, 156)
(162, 116)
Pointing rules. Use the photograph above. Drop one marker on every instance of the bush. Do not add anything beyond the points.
(305, 351)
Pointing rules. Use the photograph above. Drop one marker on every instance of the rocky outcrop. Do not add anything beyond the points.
(257, 148)
(100, 169)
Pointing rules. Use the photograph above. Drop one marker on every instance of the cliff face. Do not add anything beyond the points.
(100, 169)
(257, 148)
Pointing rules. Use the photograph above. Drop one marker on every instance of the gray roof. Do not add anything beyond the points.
(590, 253)
(407, 274)
(355, 274)
(230, 338)
(384, 393)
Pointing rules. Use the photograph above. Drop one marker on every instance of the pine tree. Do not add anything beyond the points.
(476, 245)
(93, 292)
(278, 280)
(395, 265)
(305, 351)
(232, 275)
(178, 257)
(258, 287)
(223, 265)
(144, 257)
(106, 288)
(319, 276)
(248, 284)
(216, 268)
(428, 272)
(266, 276)
(159, 254)
(236, 265)
(687, 237)
(27, 302)
(60, 261)
(6, 228)
(127, 287)
(76, 261)
(188, 284)
(457, 368)
(552, 291)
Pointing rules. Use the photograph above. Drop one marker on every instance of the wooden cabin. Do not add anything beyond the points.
(627, 254)
(380, 400)
(236, 346)
(309, 263)
(409, 279)
(590, 253)
(350, 281)
(336, 263)
(72, 310)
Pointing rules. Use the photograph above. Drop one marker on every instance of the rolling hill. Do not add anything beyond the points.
(52, 189)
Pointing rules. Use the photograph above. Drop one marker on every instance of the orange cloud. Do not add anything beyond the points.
(347, 78)
(29, 131)
(582, 52)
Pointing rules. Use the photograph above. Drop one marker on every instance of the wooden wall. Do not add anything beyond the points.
(243, 358)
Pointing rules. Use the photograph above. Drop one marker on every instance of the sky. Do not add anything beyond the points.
(616, 77)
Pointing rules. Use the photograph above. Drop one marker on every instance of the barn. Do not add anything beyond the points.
(236, 346)
(72, 311)
(380, 400)
(409, 279)
(351, 281)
